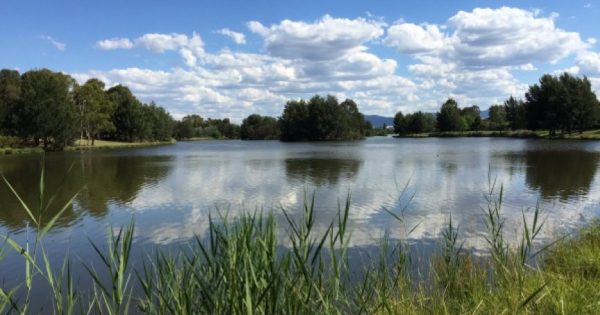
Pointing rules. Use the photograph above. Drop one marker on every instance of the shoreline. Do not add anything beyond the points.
(518, 134)
(99, 145)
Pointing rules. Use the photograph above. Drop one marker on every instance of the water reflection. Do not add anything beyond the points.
(105, 179)
(558, 174)
(317, 172)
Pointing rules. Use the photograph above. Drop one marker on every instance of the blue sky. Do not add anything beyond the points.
(235, 58)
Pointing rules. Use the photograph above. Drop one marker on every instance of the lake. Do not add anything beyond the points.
(169, 190)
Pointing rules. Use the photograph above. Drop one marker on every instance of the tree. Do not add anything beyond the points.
(515, 113)
(128, 115)
(294, 121)
(498, 117)
(10, 99)
(256, 127)
(561, 103)
(48, 111)
(95, 109)
(160, 122)
(448, 118)
(543, 104)
(399, 124)
(321, 119)
(183, 130)
(471, 117)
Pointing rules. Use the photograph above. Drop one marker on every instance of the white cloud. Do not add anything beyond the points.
(588, 5)
(326, 39)
(509, 36)
(60, 46)
(114, 43)
(159, 43)
(488, 38)
(410, 38)
(588, 63)
(237, 38)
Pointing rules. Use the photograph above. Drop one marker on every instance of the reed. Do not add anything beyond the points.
(244, 267)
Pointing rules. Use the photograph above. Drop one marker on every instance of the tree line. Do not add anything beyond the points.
(42, 107)
(563, 103)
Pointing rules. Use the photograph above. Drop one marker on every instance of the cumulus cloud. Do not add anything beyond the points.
(412, 39)
(470, 58)
(588, 63)
(489, 38)
(509, 36)
(326, 39)
(60, 46)
(237, 38)
(114, 43)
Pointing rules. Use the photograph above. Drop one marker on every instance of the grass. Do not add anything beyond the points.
(243, 267)
(544, 134)
(102, 144)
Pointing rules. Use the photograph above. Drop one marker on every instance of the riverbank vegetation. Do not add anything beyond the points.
(42, 108)
(557, 107)
(321, 119)
(244, 266)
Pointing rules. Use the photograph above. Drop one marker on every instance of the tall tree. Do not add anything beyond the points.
(515, 113)
(257, 127)
(294, 121)
(448, 118)
(95, 109)
(399, 124)
(48, 109)
(128, 115)
(498, 117)
(10, 98)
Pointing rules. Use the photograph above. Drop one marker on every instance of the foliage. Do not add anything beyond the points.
(257, 127)
(497, 120)
(516, 114)
(562, 103)
(321, 119)
(10, 97)
(96, 109)
(448, 118)
(47, 111)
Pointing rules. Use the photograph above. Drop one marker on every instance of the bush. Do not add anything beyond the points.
(9, 142)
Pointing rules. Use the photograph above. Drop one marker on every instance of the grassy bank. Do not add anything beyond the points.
(244, 267)
(4, 151)
(102, 144)
(522, 134)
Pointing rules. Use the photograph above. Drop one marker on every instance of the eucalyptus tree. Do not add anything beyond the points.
(95, 109)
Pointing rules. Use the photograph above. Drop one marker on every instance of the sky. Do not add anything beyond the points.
(234, 58)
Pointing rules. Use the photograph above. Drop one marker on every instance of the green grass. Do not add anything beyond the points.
(102, 144)
(245, 267)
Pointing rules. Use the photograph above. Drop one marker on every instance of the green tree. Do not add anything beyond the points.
(448, 118)
(471, 117)
(10, 99)
(515, 113)
(399, 124)
(128, 116)
(256, 127)
(294, 121)
(184, 129)
(160, 121)
(95, 109)
(497, 118)
(543, 104)
(48, 110)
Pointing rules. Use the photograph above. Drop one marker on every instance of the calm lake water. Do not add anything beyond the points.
(170, 189)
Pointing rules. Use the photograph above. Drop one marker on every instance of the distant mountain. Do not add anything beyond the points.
(485, 114)
(378, 121)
